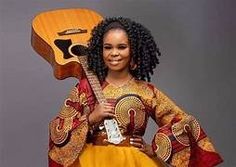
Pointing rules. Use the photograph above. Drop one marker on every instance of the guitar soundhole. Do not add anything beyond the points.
(79, 50)
(64, 44)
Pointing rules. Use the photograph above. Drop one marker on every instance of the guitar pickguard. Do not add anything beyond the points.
(63, 45)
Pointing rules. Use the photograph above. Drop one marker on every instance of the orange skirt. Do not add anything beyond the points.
(115, 156)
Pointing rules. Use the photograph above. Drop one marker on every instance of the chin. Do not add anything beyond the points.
(116, 69)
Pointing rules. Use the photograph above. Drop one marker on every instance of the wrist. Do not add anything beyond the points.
(150, 151)
(90, 122)
(90, 125)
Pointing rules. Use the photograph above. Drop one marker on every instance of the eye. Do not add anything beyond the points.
(122, 47)
(106, 47)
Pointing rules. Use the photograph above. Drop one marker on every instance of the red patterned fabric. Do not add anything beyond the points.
(52, 163)
(200, 157)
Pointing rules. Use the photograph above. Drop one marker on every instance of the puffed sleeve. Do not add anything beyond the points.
(180, 141)
(68, 131)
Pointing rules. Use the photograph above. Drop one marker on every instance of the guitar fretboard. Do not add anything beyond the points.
(93, 80)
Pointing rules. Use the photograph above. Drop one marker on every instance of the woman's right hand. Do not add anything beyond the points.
(100, 112)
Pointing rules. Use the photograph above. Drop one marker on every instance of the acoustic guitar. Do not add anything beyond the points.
(60, 37)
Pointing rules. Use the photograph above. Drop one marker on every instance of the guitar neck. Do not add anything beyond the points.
(93, 80)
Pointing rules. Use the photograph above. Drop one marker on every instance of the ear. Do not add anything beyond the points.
(132, 65)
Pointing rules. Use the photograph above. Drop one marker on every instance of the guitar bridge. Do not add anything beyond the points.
(72, 31)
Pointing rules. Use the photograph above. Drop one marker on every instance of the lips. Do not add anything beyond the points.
(114, 62)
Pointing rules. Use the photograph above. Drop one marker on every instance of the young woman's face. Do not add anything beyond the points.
(116, 50)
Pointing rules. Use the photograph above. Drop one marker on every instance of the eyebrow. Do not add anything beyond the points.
(118, 44)
(106, 44)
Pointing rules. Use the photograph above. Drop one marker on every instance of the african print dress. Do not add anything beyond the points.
(179, 141)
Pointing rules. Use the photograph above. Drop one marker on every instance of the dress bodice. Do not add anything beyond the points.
(132, 104)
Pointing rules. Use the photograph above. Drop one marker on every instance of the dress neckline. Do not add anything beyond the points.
(122, 85)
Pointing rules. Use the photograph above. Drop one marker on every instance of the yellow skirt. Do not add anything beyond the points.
(114, 156)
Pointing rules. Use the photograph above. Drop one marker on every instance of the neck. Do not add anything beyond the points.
(118, 78)
(117, 75)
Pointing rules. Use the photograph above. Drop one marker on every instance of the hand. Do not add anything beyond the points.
(138, 142)
(100, 112)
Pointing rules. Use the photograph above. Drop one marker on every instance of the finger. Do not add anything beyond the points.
(137, 136)
(108, 110)
(109, 107)
(101, 105)
(108, 114)
(106, 104)
(142, 148)
(135, 144)
(137, 140)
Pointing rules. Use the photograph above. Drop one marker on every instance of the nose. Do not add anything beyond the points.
(115, 52)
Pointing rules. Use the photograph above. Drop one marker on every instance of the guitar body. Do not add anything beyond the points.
(53, 32)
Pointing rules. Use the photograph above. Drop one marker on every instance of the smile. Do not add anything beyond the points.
(114, 62)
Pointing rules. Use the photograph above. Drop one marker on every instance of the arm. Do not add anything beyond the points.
(68, 131)
(180, 141)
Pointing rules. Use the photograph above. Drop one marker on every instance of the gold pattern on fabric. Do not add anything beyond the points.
(206, 144)
(139, 88)
(180, 133)
(83, 98)
(58, 136)
(123, 108)
(69, 111)
(166, 109)
(164, 147)
(67, 154)
(181, 158)
(60, 132)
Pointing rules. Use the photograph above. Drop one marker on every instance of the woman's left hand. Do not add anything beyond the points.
(138, 142)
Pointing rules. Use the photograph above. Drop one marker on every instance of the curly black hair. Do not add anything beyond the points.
(144, 51)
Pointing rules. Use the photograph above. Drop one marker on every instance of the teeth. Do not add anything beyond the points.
(114, 62)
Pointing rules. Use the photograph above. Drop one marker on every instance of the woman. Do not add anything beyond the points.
(123, 54)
